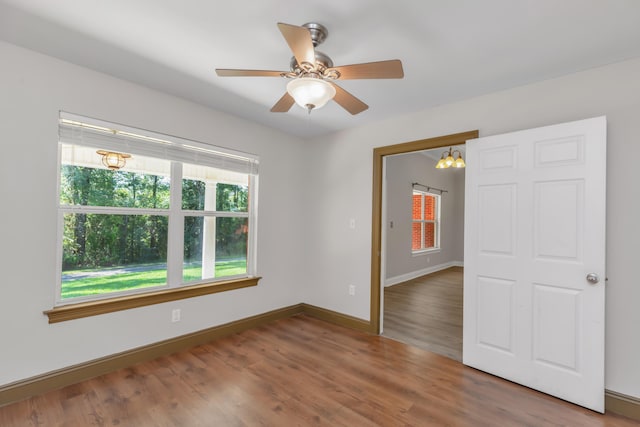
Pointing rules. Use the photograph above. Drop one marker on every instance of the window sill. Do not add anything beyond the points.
(93, 308)
(425, 252)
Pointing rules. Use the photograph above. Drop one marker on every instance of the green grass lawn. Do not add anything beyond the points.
(136, 280)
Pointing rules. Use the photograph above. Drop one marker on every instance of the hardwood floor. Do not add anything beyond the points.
(426, 312)
(300, 371)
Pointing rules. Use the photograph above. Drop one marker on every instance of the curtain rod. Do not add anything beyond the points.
(413, 184)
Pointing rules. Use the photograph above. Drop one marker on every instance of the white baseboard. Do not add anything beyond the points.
(412, 275)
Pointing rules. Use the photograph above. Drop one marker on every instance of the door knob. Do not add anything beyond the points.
(593, 278)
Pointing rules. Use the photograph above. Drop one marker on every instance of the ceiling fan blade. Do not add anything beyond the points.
(223, 72)
(348, 101)
(299, 41)
(284, 104)
(391, 69)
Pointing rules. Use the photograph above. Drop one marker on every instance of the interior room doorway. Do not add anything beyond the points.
(378, 267)
(423, 250)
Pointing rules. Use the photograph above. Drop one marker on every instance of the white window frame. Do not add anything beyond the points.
(83, 131)
(422, 221)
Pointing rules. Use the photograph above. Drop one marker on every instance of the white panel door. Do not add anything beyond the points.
(534, 230)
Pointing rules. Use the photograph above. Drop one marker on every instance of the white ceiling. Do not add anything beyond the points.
(451, 49)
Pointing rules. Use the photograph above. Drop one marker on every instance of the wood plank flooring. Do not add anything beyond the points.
(300, 371)
(426, 312)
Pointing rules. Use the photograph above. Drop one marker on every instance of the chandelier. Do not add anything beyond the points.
(113, 160)
(447, 160)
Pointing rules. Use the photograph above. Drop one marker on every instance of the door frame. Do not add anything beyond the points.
(376, 223)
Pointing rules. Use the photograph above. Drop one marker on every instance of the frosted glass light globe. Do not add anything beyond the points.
(311, 93)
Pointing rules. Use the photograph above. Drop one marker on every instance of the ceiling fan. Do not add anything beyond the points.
(313, 75)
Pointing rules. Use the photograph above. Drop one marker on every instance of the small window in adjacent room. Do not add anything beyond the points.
(142, 212)
(425, 214)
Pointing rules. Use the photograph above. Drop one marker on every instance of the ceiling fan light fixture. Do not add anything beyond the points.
(311, 92)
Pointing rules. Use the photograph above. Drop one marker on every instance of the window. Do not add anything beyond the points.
(142, 212)
(425, 224)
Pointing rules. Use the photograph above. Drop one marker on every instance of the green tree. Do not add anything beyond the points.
(231, 233)
(95, 240)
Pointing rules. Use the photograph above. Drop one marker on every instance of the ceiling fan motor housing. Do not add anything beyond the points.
(318, 34)
(322, 63)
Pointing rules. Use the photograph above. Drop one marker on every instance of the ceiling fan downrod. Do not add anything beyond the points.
(319, 32)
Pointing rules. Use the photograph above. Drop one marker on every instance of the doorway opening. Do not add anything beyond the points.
(378, 251)
(423, 251)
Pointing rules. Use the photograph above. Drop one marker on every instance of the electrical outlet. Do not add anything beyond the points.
(352, 290)
(352, 223)
(175, 315)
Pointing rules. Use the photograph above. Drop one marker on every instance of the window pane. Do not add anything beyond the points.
(214, 247)
(429, 235)
(416, 236)
(142, 183)
(415, 211)
(232, 198)
(207, 188)
(193, 194)
(429, 208)
(112, 253)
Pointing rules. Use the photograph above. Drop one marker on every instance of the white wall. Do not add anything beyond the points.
(33, 88)
(400, 172)
(341, 184)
